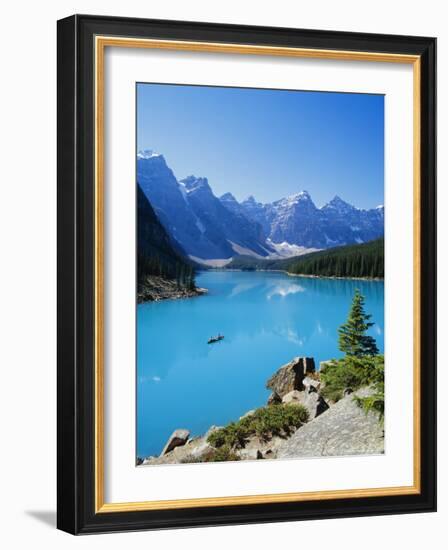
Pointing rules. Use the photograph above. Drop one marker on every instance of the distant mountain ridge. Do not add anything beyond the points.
(297, 221)
(208, 228)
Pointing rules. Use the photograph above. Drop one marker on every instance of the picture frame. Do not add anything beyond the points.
(82, 42)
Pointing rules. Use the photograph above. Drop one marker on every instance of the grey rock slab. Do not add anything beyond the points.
(343, 429)
(313, 402)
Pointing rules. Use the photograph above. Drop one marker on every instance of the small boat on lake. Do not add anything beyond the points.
(214, 339)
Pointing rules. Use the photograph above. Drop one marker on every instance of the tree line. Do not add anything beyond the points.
(157, 254)
(363, 260)
(181, 272)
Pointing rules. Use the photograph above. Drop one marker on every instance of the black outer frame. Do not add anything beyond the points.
(75, 403)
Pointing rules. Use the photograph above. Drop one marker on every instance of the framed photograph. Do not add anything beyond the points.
(246, 274)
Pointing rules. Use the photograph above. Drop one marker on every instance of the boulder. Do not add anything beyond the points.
(249, 454)
(293, 396)
(314, 403)
(311, 384)
(256, 448)
(196, 449)
(176, 439)
(290, 377)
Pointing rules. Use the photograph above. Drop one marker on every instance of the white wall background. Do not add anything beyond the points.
(28, 270)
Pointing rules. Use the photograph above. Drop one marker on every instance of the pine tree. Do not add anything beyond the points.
(191, 279)
(353, 340)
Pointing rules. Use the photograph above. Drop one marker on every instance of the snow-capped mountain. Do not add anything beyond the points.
(223, 225)
(161, 188)
(257, 211)
(193, 216)
(209, 228)
(348, 224)
(297, 220)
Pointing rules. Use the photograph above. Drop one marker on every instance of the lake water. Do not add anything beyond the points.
(267, 319)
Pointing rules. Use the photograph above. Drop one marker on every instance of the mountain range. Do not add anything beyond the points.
(210, 228)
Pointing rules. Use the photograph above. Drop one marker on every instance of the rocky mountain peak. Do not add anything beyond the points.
(337, 203)
(228, 197)
(147, 154)
(301, 200)
(192, 184)
(303, 195)
(250, 200)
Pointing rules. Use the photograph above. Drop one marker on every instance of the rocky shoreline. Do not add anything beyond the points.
(325, 428)
(334, 277)
(155, 289)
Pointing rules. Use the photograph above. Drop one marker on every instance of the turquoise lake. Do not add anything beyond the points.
(267, 319)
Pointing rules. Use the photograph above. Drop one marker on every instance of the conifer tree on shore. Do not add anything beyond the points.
(353, 340)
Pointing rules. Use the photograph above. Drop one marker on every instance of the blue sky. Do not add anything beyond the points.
(268, 143)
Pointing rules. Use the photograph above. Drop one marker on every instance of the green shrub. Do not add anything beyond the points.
(191, 459)
(223, 454)
(375, 402)
(351, 373)
(265, 423)
(234, 435)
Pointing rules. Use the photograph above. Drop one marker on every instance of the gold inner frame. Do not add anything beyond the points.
(101, 42)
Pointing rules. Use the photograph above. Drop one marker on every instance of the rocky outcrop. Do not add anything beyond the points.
(154, 289)
(256, 448)
(344, 429)
(290, 377)
(313, 402)
(338, 429)
(196, 449)
(177, 439)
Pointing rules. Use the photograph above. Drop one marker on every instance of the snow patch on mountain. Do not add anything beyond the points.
(243, 251)
(287, 250)
(200, 225)
(193, 184)
(183, 191)
(295, 199)
(329, 241)
(147, 154)
(211, 263)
